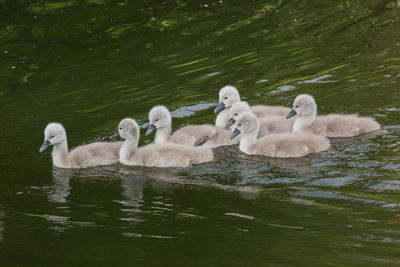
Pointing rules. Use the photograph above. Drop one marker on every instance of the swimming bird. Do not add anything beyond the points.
(229, 95)
(333, 125)
(283, 145)
(157, 155)
(192, 135)
(94, 154)
(268, 125)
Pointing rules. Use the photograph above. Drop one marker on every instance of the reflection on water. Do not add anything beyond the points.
(60, 189)
(133, 181)
(2, 216)
(132, 191)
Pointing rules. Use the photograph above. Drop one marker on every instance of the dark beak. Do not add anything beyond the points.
(219, 107)
(229, 123)
(235, 133)
(45, 145)
(291, 114)
(151, 128)
(115, 135)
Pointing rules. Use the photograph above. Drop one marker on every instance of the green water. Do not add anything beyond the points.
(90, 63)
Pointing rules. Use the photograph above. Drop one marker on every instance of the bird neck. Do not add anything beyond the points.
(305, 121)
(162, 135)
(60, 154)
(127, 151)
(247, 141)
(222, 118)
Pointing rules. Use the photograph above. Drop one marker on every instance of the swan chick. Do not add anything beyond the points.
(192, 135)
(268, 125)
(94, 154)
(236, 110)
(284, 145)
(157, 155)
(333, 125)
(160, 119)
(229, 95)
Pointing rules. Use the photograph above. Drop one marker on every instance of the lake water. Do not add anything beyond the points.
(89, 64)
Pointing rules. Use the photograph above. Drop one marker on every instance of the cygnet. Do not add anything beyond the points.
(284, 145)
(268, 125)
(333, 125)
(94, 154)
(229, 95)
(157, 155)
(191, 135)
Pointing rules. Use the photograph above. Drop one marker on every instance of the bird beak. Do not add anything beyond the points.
(219, 107)
(229, 123)
(291, 114)
(235, 133)
(151, 128)
(45, 145)
(115, 135)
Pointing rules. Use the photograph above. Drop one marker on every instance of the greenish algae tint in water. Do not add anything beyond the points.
(88, 64)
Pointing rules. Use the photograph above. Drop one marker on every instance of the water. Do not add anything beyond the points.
(88, 64)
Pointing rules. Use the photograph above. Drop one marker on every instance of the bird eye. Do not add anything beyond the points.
(226, 97)
(120, 128)
(52, 136)
(297, 106)
(236, 114)
(240, 125)
(156, 120)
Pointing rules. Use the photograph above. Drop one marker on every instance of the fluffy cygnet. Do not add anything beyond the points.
(229, 95)
(283, 145)
(192, 135)
(268, 125)
(334, 125)
(94, 154)
(157, 155)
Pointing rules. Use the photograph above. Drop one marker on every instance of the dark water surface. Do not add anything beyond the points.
(90, 63)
